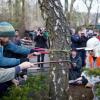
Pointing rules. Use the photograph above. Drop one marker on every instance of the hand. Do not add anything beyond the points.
(15, 82)
(74, 64)
(37, 53)
(30, 56)
(38, 33)
(79, 82)
(26, 65)
(25, 77)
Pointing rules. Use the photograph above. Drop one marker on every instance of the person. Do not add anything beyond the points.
(7, 30)
(82, 43)
(41, 42)
(10, 73)
(89, 33)
(16, 38)
(83, 40)
(93, 53)
(76, 64)
(6, 75)
(10, 52)
(75, 40)
(45, 33)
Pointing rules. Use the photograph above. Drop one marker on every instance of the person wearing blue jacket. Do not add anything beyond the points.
(6, 31)
(75, 40)
(9, 52)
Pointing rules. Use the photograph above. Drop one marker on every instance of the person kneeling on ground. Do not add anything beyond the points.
(76, 64)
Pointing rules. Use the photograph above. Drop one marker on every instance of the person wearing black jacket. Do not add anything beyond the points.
(41, 42)
(76, 65)
(82, 43)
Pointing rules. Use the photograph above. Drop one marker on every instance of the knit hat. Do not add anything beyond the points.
(6, 29)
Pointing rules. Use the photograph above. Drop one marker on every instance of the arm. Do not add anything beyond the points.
(8, 62)
(75, 38)
(8, 74)
(17, 49)
(44, 38)
(36, 38)
(78, 64)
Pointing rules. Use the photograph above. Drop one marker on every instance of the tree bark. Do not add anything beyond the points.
(22, 28)
(97, 13)
(10, 10)
(71, 11)
(66, 7)
(52, 13)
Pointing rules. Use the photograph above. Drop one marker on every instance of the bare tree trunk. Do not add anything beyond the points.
(10, 9)
(22, 29)
(97, 14)
(88, 9)
(87, 18)
(66, 7)
(70, 14)
(56, 25)
(17, 10)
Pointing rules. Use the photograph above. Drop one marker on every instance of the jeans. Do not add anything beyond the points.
(40, 58)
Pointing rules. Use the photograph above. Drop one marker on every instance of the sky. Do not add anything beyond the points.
(80, 6)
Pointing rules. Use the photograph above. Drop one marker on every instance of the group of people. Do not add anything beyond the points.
(14, 58)
(37, 38)
(85, 53)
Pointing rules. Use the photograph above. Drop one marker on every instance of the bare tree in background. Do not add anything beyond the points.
(69, 10)
(66, 7)
(57, 27)
(23, 16)
(10, 6)
(97, 13)
(88, 4)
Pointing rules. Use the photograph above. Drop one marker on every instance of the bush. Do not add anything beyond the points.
(35, 88)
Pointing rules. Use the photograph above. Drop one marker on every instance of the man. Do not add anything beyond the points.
(7, 76)
(10, 73)
(11, 51)
(41, 42)
(6, 30)
(16, 38)
(82, 44)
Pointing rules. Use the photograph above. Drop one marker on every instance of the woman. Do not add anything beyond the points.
(41, 42)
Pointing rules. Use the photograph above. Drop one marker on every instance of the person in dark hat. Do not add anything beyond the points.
(76, 64)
